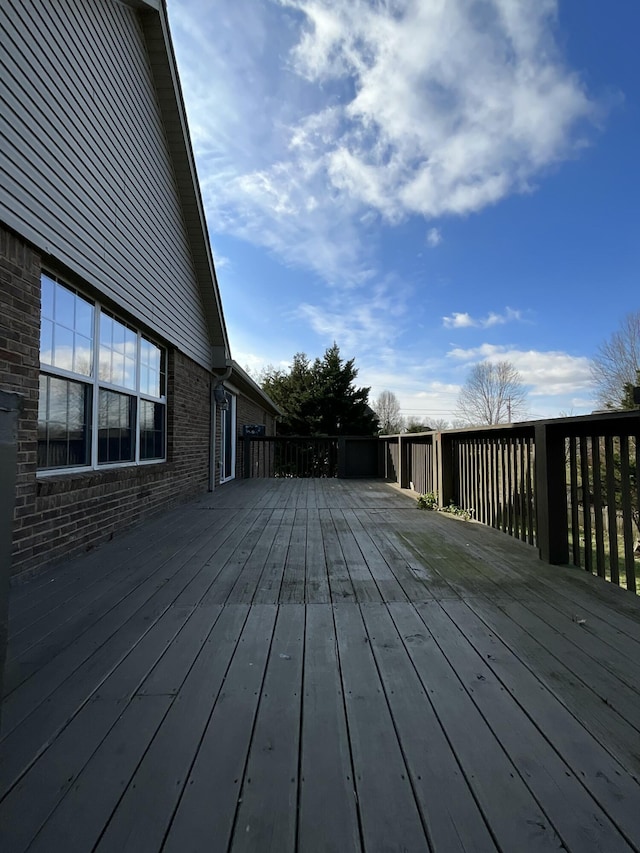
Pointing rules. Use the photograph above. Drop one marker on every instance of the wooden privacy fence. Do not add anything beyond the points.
(568, 486)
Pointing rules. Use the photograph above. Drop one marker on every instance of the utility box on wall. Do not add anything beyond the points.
(253, 429)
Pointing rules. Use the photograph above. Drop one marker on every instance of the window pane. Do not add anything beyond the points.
(116, 427)
(64, 423)
(84, 318)
(82, 354)
(151, 430)
(104, 369)
(63, 348)
(48, 287)
(152, 373)
(63, 312)
(64, 307)
(118, 346)
(46, 341)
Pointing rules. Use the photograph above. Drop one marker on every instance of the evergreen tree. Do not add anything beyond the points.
(320, 398)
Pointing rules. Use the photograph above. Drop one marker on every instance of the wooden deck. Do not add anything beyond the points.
(315, 665)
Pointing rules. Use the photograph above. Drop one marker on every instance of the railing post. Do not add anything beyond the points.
(342, 457)
(10, 407)
(404, 475)
(552, 522)
(443, 464)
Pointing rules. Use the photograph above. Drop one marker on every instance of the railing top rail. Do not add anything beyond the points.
(309, 438)
(595, 423)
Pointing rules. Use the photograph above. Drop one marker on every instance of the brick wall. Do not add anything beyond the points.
(61, 515)
(20, 360)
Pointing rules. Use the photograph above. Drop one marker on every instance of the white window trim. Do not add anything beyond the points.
(96, 384)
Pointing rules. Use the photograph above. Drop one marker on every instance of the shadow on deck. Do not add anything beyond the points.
(314, 665)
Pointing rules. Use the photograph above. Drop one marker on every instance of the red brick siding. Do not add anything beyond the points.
(61, 515)
(20, 356)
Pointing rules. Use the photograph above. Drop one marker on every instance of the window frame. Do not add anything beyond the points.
(95, 384)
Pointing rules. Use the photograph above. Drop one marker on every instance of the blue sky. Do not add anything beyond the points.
(429, 183)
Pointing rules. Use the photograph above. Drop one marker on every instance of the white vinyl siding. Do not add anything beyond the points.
(87, 172)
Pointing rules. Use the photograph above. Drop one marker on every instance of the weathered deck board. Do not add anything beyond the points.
(62, 625)
(302, 666)
(206, 812)
(590, 692)
(143, 814)
(544, 743)
(386, 800)
(317, 580)
(489, 771)
(453, 818)
(327, 784)
(267, 807)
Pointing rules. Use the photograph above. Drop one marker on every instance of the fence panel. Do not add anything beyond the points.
(494, 478)
(420, 460)
(391, 458)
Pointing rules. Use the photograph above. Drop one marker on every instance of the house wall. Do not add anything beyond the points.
(87, 171)
(63, 514)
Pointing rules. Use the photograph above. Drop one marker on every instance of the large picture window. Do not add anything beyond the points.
(102, 386)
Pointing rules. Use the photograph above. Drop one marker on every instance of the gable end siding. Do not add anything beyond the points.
(88, 177)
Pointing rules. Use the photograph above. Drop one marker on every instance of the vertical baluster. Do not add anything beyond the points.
(597, 506)
(573, 487)
(530, 507)
(612, 514)
(523, 491)
(627, 521)
(586, 502)
(503, 486)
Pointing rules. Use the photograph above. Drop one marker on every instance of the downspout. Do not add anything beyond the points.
(217, 378)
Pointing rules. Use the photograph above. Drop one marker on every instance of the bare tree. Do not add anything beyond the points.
(387, 408)
(616, 363)
(440, 423)
(492, 394)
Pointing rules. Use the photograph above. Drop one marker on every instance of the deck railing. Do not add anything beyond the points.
(568, 485)
(290, 456)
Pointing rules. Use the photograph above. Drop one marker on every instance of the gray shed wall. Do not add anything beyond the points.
(87, 173)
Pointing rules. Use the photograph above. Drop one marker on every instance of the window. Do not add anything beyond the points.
(102, 386)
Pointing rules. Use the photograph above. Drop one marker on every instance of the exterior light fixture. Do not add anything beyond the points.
(220, 396)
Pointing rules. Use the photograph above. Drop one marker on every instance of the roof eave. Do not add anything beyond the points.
(241, 380)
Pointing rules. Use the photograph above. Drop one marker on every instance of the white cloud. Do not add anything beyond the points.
(546, 374)
(309, 114)
(465, 320)
(458, 321)
(434, 237)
